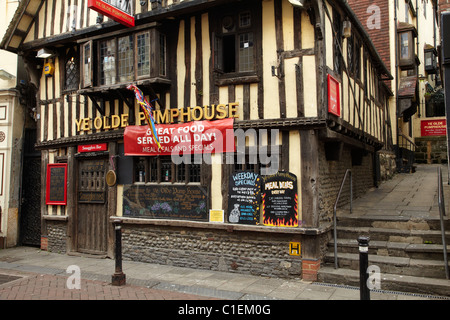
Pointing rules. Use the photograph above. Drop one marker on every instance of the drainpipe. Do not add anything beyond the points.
(396, 82)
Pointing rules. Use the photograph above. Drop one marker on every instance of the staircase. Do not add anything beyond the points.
(407, 250)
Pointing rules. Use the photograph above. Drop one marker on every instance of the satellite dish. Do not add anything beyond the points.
(297, 3)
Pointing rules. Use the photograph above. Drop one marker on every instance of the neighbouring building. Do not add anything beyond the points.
(406, 34)
(19, 223)
(261, 106)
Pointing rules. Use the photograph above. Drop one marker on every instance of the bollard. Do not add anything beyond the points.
(363, 243)
(118, 278)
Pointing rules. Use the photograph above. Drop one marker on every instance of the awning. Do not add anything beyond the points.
(407, 87)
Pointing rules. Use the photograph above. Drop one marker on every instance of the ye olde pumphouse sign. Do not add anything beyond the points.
(119, 15)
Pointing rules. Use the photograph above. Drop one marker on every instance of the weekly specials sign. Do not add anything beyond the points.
(194, 137)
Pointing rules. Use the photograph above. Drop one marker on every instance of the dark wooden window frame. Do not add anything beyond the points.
(152, 169)
(217, 35)
(68, 54)
(155, 54)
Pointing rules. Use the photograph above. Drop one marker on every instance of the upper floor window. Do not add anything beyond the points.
(406, 54)
(235, 41)
(72, 74)
(124, 59)
(337, 44)
(354, 56)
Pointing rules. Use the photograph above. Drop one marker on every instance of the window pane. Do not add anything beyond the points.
(166, 169)
(108, 62)
(87, 64)
(143, 54)
(139, 170)
(153, 169)
(245, 20)
(350, 54)
(246, 59)
(125, 54)
(72, 74)
(181, 172)
(162, 55)
(404, 46)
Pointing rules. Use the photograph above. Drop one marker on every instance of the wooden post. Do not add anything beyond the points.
(428, 152)
(310, 174)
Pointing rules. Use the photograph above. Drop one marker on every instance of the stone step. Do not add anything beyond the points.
(393, 235)
(391, 282)
(397, 249)
(394, 222)
(392, 265)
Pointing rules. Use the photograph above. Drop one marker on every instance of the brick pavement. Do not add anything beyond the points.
(30, 286)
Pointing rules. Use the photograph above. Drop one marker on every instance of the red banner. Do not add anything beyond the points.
(434, 128)
(182, 138)
(111, 12)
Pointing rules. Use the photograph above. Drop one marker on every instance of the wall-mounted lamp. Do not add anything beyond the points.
(45, 53)
(298, 3)
(346, 29)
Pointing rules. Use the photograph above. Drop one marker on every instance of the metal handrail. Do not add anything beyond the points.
(348, 172)
(442, 214)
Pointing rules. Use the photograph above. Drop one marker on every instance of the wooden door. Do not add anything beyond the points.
(92, 206)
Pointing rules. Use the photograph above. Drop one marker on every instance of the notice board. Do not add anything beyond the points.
(56, 188)
(244, 196)
(166, 202)
(280, 200)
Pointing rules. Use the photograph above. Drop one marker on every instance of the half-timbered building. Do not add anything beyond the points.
(298, 83)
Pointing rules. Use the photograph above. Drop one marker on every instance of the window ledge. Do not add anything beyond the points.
(236, 78)
(223, 226)
(122, 85)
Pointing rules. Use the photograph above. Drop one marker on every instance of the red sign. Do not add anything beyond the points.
(112, 12)
(434, 128)
(334, 100)
(56, 187)
(93, 147)
(182, 138)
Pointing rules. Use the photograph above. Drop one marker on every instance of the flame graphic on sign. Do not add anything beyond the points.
(280, 222)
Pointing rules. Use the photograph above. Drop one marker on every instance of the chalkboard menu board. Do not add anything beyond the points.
(56, 189)
(280, 200)
(166, 202)
(244, 197)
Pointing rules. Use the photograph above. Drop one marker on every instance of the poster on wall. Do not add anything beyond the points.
(280, 200)
(244, 197)
(56, 187)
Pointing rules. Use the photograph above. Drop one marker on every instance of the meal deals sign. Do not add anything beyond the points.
(183, 138)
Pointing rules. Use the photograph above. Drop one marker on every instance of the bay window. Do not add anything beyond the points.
(406, 51)
(123, 59)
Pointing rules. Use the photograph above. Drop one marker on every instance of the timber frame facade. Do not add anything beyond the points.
(274, 61)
